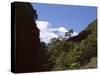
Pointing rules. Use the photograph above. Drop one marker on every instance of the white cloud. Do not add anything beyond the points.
(62, 29)
(47, 32)
(42, 25)
(74, 34)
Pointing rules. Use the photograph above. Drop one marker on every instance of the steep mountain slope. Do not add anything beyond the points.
(91, 29)
(86, 46)
(77, 52)
(26, 54)
(91, 44)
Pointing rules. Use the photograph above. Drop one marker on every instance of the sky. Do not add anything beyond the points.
(54, 17)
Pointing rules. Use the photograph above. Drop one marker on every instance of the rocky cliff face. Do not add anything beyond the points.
(27, 56)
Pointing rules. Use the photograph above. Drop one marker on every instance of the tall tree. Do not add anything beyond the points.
(69, 33)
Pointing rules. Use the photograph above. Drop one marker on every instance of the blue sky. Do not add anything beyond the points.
(68, 16)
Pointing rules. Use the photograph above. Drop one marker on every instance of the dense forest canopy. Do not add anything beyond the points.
(78, 52)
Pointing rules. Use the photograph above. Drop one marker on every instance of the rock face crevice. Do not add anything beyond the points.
(27, 41)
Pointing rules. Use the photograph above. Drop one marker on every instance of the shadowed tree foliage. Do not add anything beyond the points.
(44, 56)
(68, 34)
(28, 57)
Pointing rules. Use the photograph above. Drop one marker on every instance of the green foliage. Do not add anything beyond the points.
(92, 63)
(74, 54)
